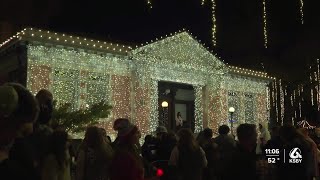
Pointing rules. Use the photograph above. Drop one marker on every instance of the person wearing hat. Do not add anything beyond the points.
(127, 162)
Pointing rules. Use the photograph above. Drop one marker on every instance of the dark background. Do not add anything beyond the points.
(292, 46)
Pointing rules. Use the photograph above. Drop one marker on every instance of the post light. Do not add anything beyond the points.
(231, 111)
(164, 104)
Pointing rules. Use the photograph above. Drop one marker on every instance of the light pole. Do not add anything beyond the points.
(164, 106)
(231, 111)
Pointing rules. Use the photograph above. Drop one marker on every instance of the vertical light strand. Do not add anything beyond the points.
(301, 12)
(299, 94)
(276, 101)
(281, 102)
(203, 2)
(214, 23)
(318, 84)
(265, 31)
(149, 3)
(311, 88)
(294, 99)
(268, 104)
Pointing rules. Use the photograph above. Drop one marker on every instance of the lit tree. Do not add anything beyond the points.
(77, 120)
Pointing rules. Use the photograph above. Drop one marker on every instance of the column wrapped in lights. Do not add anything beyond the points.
(154, 113)
(198, 114)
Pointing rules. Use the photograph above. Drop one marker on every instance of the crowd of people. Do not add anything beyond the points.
(30, 148)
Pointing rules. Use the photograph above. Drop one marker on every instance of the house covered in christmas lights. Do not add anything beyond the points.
(85, 71)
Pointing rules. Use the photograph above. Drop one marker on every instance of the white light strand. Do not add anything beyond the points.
(281, 102)
(301, 12)
(268, 103)
(305, 124)
(276, 96)
(318, 85)
(265, 31)
(214, 23)
(149, 3)
(311, 88)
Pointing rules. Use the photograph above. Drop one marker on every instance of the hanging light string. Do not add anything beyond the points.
(149, 3)
(265, 32)
(214, 23)
(301, 12)
(281, 102)
(317, 77)
(276, 100)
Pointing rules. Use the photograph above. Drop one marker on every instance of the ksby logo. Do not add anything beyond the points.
(295, 155)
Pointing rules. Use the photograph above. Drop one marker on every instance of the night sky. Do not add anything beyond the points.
(292, 46)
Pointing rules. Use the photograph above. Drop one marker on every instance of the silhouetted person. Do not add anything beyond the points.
(188, 157)
(22, 151)
(243, 161)
(18, 111)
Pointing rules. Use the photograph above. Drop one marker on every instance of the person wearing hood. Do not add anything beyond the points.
(127, 162)
(264, 137)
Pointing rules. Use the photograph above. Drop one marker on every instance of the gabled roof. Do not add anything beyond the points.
(181, 49)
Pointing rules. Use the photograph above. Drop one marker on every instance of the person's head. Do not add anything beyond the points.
(148, 139)
(45, 100)
(207, 133)
(93, 137)
(247, 135)
(275, 131)
(127, 132)
(224, 130)
(109, 138)
(288, 133)
(160, 131)
(178, 114)
(59, 146)
(104, 135)
(25, 112)
(263, 126)
(187, 139)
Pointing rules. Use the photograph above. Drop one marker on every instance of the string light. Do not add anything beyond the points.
(214, 23)
(39, 35)
(265, 32)
(149, 3)
(301, 12)
(305, 124)
(281, 102)
(311, 82)
(318, 84)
